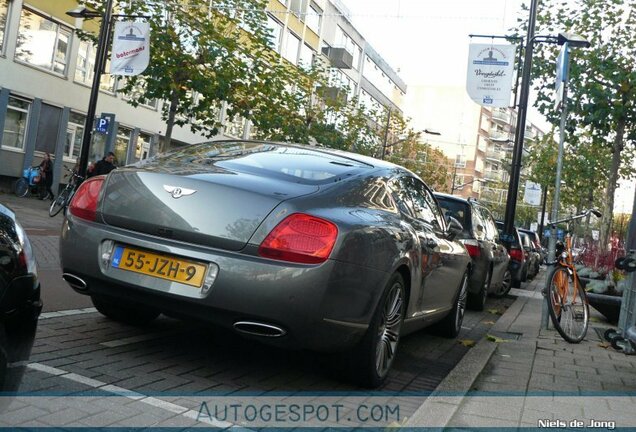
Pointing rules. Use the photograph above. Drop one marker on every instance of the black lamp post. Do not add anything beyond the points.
(100, 61)
(574, 41)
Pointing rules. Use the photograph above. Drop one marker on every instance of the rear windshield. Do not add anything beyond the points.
(500, 228)
(298, 164)
(457, 209)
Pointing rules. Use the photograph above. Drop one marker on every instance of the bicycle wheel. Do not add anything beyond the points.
(568, 306)
(59, 203)
(21, 187)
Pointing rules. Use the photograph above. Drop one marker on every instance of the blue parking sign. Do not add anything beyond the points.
(102, 125)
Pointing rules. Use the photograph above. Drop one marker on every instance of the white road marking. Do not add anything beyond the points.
(110, 388)
(67, 312)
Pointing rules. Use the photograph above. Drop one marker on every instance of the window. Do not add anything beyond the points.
(276, 30)
(74, 135)
(291, 49)
(313, 18)
(42, 42)
(143, 147)
(85, 68)
(121, 145)
(48, 125)
(4, 13)
(15, 123)
(138, 94)
(460, 161)
(306, 56)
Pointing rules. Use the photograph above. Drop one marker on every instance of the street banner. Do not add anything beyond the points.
(561, 74)
(131, 48)
(532, 193)
(490, 72)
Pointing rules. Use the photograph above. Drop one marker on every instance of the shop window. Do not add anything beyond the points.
(15, 123)
(74, 135)
(42, 42)
(121, 146)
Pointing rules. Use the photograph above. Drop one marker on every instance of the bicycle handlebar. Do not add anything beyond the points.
(595, 212)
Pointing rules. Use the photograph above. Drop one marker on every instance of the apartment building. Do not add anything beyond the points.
(46, 72)
(478, 141)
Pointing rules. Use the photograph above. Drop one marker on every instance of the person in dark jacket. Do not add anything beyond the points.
(46, 177)
(103, 166)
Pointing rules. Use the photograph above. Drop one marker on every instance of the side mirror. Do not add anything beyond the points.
(454, 228)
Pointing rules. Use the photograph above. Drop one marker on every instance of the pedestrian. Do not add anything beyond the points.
(103, 166)
(46, 177)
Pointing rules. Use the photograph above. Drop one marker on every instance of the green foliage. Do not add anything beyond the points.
(602, 90)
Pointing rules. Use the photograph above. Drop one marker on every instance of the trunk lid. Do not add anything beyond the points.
(219, 208)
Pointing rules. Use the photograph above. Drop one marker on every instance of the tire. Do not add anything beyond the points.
(477, 301)
(371, 360)
(451, 325)
(59, 203)
(126, 313)
(570, 316)
(21, 187)
(506, 285)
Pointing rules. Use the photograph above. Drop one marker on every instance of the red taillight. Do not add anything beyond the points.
(472, 246)
(84, 202)
(300, 238)
(516, 254)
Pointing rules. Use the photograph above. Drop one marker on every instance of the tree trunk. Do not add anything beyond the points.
(606, 222)
(174, 103)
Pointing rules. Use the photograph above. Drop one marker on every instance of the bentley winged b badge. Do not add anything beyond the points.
(178, 192)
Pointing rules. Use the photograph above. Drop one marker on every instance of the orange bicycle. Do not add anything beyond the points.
(567, 301)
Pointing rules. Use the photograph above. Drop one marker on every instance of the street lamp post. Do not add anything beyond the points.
(100, 62)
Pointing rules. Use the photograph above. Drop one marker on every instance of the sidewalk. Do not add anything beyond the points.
(531, 377)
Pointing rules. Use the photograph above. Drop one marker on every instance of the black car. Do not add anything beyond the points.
(489, 273)
(518, 264)
(20, 303)
(532, 255)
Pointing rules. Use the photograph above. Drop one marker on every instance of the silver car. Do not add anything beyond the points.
(296, 246)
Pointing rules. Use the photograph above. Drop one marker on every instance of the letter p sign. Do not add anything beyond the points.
(102, 125)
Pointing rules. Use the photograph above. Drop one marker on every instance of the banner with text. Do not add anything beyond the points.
(131, 48)
(490, 72)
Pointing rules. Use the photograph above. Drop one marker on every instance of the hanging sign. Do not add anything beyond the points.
(490, 71)
(131, 48)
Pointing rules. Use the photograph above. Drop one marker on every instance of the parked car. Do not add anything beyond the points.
(536, 246)
(489, 272)
(20, 303)
(295, 246)
(532, 256)
(518, 264)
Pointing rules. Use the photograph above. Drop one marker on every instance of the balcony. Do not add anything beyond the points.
(495, 155)
(493, 175)
(334, 94)
(530, 134)
(498, 135)
(501, 116)
(494, 195)
(339, 58)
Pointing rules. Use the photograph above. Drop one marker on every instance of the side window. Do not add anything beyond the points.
(479, 225)
(424, 204)
(399, 187)
(493, 233)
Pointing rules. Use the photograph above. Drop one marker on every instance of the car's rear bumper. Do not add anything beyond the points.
(517, 270)
(324, 307)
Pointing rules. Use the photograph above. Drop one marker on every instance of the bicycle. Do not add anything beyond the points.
(64, 198)
(567, 301)
(28, 182)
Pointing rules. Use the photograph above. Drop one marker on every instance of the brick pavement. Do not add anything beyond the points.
(540, 379)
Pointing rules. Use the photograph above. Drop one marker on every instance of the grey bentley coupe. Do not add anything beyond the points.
(297, 246)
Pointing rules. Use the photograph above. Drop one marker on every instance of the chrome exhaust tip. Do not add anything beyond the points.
(259, 329)
(75, 282)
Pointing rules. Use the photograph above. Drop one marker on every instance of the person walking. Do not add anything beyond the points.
(103, 166)
(46, 177)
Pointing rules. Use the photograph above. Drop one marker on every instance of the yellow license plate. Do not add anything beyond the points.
(160, 266)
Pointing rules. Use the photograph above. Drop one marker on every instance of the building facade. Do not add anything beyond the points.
(46, 72)
(478, 141)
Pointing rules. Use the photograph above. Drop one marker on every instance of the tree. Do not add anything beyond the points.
(602, 80)
(204, 53)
